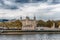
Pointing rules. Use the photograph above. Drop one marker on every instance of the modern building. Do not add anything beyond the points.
(28, 24)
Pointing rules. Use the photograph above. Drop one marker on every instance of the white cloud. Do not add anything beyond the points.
(31, 9)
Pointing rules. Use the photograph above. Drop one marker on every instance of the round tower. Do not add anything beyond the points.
(20, 18)
(34, 18)
(27, 17)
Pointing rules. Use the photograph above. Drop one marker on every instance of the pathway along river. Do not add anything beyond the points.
(31, 37)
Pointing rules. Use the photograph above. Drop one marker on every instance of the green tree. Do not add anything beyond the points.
(57, 24)
(16, 23)
(49, 23)
(41, 23)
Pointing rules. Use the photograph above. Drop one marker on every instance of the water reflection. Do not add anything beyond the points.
(31, 37)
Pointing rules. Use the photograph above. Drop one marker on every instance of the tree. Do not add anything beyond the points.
(18, 23)
(57, 24)
(12, 24)
(49, 23)
(41, 23)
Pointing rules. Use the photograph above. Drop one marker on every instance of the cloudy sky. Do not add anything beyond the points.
(42, 9)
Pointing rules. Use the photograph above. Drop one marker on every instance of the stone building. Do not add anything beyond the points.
(28, 24)
(53, 26)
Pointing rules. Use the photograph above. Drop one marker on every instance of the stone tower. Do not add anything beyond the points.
(20, 18)
(34, 18)
(27, 18)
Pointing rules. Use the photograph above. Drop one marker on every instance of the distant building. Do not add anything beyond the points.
(53, 25)
(4, 20)
(43, 28)
(28, 24)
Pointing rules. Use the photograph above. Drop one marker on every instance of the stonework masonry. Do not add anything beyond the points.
(28, 24)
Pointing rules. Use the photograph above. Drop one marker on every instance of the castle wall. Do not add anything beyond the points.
(28, 25)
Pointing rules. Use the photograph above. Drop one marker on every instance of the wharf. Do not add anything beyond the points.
(13, 32)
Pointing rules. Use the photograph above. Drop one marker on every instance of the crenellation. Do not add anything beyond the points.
(28, 24)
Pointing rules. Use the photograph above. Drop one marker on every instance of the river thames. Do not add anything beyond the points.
(31, 37)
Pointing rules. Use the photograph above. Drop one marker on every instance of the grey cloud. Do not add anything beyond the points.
(7, 6)
(34, 1)
(14, 4)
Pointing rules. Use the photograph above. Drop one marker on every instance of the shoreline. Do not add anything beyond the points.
(28, 32)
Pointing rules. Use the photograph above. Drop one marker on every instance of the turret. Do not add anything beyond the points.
(34, 18)
(27, 17)
(20, 18)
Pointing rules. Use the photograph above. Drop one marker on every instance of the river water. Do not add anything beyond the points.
(31, 37)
